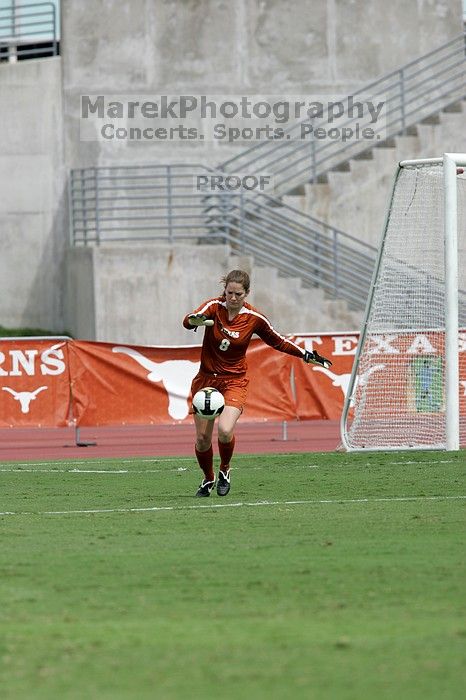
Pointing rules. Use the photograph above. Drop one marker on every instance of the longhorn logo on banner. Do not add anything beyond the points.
(176, 377)
(93, 384)
(25, 400)
(342, 380)
(24, 397)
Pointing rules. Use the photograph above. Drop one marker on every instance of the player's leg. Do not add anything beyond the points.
(203, 446)
(226, 445)
(204, 454)
(235, 393)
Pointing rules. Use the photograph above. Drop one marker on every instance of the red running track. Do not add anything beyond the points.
(30, 444)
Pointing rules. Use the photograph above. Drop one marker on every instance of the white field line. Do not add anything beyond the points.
(241, 504)
(18, 467)
(432, 461)
(154, 460)
(109, 460)
(93, 471)
(117, 472)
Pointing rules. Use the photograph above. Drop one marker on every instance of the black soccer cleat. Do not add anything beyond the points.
(205, 488)
(223, 483)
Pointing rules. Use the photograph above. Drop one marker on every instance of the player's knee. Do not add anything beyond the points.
(225, 435)
(203, 442)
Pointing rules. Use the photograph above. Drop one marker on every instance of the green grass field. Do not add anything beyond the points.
(320, 576)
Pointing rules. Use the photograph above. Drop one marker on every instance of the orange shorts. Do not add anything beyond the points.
(234, 389)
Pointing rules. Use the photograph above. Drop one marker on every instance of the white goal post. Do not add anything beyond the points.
(408, 384)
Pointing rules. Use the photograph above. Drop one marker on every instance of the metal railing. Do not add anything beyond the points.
(139, 203)
(413, 93)
(28, 31)
(162, 203)
(298, 245)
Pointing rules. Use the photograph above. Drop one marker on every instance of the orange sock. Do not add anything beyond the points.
(206, 462)
(226, 450)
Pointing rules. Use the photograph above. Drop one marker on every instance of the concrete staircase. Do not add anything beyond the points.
(291, 307)
(355, 198)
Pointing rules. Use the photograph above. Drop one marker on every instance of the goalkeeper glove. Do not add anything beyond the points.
(315, 359)
(200, 320)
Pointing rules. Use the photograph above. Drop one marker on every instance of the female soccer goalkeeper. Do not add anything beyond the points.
(230, 323)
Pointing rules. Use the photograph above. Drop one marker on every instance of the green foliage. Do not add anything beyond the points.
(20, 332)
(320, 577)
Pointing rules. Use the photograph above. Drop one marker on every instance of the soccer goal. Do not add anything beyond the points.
(408, 385)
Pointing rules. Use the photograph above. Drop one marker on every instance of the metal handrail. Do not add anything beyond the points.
(105, 205)
(421, 88)
(316, 261)
(28, 30)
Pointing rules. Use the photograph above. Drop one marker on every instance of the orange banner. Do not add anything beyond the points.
(127, 384)
(54, 383)
(34, 383)
(320, 392)
(270, 393)
(123, 384)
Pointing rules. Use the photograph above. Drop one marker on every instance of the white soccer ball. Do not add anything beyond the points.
(208, 403)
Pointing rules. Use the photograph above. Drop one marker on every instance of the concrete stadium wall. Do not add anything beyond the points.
(356, 201)
(219, 47)
(33, 223)
(140, 294)
(162, 47)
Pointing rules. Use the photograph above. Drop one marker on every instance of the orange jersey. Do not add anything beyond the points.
(225, 343)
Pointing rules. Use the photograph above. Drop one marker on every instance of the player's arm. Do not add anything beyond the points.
(195, 320)
(269, 335)
(202, 316)
(312, 357)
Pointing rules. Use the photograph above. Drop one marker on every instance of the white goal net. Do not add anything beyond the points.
(399, 390)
